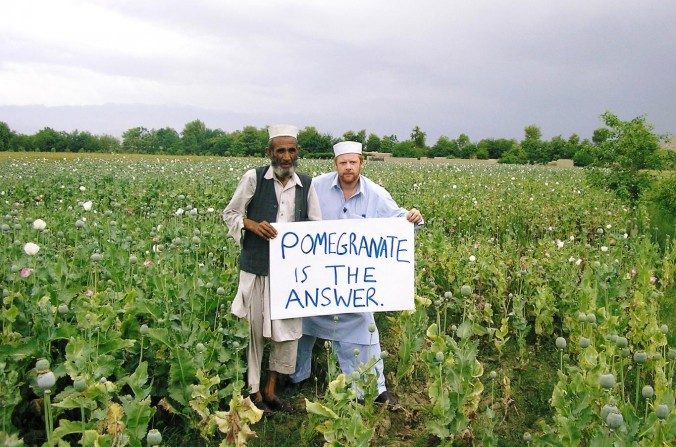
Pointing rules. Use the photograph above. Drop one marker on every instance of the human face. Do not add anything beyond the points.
(283, 153)
(348, 167)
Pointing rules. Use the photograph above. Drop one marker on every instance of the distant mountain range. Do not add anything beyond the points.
(114, 119)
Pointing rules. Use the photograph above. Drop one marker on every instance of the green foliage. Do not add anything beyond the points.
(627, 150)
(312, 142)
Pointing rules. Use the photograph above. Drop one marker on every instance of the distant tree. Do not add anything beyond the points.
(536, 150)
(137, 140)
(194, 138)
(312, 142)
(572, 146)
(407, 149)
(494, 147)
(49, 140)
(221, 143)
(108, 143)
(165, 141)
(388, 143)
(515, 155)
(557, 148)
(461, 144)
(630, 150)
(250, 141)
(418, 137)
(6, 137)
(586, 154)
(373, 143)
(355, 136)
(444, 147)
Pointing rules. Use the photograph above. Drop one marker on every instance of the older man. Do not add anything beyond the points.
(346, 194)
(275, 193)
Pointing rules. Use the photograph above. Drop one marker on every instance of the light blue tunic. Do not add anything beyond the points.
(371, 200)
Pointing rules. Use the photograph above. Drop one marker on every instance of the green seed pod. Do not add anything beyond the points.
(614, 420)
(527, 437)
(647, 392)
(63, 308)
(607, 409)
(46, 380)
(561, 343)
(439, 356)
(662, 411)
(220, 291)
(199, 347)
(143, 330)
(96, 257)
(493, 374)
(607, 381)
(355, 375)
(640, 357)
(154, 437)
(133, 259)
(384, 354)
(355, 352)
(591, 318)
(665, 329)
(448, 295)
(621, 342)
(466, 290)
(581, 317)
(42, 366)
(372, 328)
(79, 384)
(672, 354)
(584, 342)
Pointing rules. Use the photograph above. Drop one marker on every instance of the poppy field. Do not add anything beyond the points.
(117, 277)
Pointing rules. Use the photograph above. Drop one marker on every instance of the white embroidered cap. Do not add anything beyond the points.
(346, 147)
(282, 130)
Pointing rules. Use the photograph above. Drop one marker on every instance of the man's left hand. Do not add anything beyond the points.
(414, 216)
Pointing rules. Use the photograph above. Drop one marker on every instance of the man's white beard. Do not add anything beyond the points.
(281, 172)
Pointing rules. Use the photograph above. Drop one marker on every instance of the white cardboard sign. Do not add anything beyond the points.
(341, 266)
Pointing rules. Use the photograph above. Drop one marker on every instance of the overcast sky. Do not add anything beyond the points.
(485, 68)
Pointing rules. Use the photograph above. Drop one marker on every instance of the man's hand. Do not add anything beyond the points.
(414, 216)
(262, 228)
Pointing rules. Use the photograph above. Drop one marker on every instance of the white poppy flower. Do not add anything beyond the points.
(87, 205)
(39, 224)
(31, 248)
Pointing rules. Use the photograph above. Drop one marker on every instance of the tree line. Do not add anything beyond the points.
(197, 139)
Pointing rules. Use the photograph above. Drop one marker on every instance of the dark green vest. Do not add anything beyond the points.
(255, 256)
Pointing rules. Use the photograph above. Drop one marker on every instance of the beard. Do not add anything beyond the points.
(282, 171)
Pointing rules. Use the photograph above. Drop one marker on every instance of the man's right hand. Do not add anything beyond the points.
(262, 228)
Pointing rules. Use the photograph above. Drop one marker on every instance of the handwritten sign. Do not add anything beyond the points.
(341, 266)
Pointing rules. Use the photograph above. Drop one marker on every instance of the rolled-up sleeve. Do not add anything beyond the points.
(235, 212)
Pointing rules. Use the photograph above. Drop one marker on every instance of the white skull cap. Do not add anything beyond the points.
(346, 147)
(282, 130)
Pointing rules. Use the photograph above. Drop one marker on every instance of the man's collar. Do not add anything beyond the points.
(270, 175)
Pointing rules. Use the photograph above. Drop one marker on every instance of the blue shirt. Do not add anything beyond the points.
(370, 200)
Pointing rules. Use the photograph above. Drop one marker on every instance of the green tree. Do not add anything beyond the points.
(194, 138)
(515, 155)
(312, 142)
(49, 140)
(388, 143)
(630, 149)
(165, 141)
(462, 142)
(250, 141)
(137, 140)
(373, 143)
(355, 136)
(444, 147)
(418, 137)
(406, 149)
(536, 150)
(6, 137)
